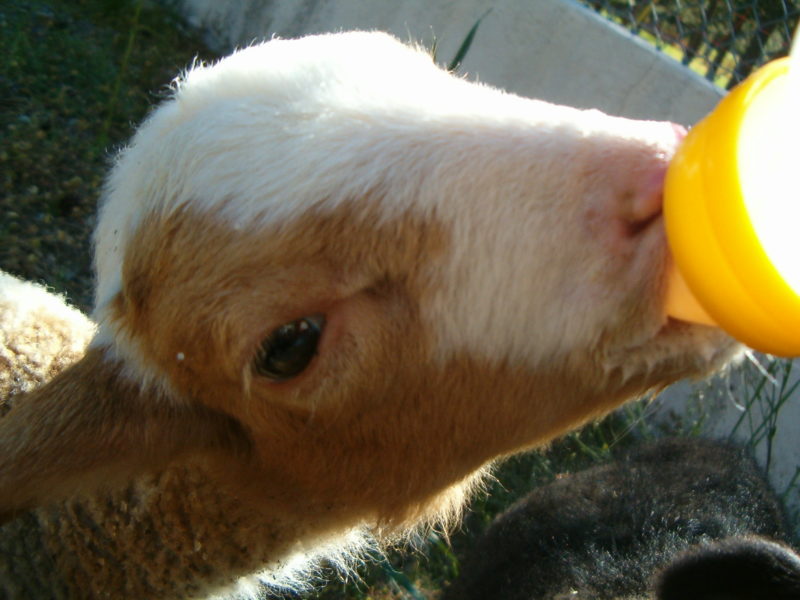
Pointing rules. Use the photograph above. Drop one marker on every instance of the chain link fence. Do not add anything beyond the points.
(723, 41)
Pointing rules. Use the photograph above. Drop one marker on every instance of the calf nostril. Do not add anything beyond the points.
(647, 200)
(638, 203)
(634, 227)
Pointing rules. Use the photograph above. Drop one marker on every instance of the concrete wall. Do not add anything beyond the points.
(550, 49)
(555, 50)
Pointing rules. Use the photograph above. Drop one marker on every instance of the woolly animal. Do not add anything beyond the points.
(334, 283)
(680, 519)
(40, 336)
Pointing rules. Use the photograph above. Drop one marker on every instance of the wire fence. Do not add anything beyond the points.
(724, 41)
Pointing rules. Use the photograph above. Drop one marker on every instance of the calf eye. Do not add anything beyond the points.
(288, 350)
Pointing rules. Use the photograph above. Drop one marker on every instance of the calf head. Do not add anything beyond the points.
(346, 279)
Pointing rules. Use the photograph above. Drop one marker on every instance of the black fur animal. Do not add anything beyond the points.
(608, 532)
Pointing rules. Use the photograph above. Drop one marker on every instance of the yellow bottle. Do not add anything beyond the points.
(732, 214)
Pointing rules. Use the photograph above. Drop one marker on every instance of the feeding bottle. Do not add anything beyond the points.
(732, 214)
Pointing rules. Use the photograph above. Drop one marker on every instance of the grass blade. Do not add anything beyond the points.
(466, 44)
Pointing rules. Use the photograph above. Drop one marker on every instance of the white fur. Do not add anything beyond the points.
(20, 300)
(302, 568)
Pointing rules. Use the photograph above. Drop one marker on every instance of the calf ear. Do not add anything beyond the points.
(90, 427)
(734, 569)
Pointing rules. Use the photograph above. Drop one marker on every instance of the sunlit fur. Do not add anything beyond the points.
(40, 336)
(491, 271)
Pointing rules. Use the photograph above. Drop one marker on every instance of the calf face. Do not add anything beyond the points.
(347, 279)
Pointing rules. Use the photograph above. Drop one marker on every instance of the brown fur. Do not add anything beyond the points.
(118, 436)
(174, 535)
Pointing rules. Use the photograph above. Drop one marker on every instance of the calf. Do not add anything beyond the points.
(334, 282)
